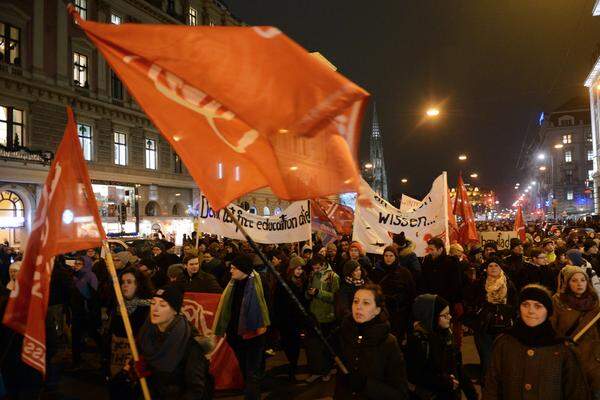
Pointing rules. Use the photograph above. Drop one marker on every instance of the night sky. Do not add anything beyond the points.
(492, 66)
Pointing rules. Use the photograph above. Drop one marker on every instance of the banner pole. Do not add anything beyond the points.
(124, 315)
(282, 282)
(446, 205)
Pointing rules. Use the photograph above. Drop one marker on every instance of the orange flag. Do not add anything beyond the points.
(66, 220)
(340, 216)
(520, 224)
(453, 233)
(462, 208)
(244, 107)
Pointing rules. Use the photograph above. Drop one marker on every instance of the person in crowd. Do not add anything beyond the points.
(176, 273)
(407, 256)
(331, 256)
(307, 252)
(399, 290)
(435, 362)
(323, 284)
(356, 252)
(244, 316)
(590, 254)
(214, 265)
(533, 271)
(530, 360)
(548, 247)
(170, 257)
(495, 311)
(231, 251)
(489, 250)
(173, 351)
(575, 257)
(196, 280)
(371, 353)
(13, 270)
(188, 249)
(85, 310)
(514, 262)
(575, 305)
(353, 278)
(287, 317)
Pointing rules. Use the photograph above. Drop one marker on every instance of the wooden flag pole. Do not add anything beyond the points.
(282, 282)
(124, 315)
(586, 328)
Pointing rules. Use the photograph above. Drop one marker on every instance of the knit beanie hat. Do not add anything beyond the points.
(565, 276)
(244, 263)
(514, 242)
(296, 262)
(331, 246)
(391, 249)
(359, 247)
(575, 257)
(537, 293)
(171, 294)
(349, 267)
(456, 247)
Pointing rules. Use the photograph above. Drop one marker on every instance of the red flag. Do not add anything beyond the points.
(244, 107)
(453, 232)
(340, 216)
(200, 309)
(520, 224)
(66, 220)
(462, 208)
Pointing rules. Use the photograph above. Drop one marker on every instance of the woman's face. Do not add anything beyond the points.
(128, 286)
(275, 261)
(357, 273)
(578, 284)
(444, 318)
(389, 258)
(323, 251)
(298, 271)
(364, 307)
(533, 313)
(161, 312)
(12, 273)
(354, 253)
(493, 270)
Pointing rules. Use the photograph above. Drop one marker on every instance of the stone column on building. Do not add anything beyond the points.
(62, 45)
(38, 39)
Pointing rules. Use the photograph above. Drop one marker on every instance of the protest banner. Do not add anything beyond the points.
(292, 225)
(375, 224)
(200, 309)
(408, 204)
(501, 238)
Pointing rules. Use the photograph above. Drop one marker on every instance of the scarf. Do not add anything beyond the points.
(133, 304)
(354, 282)
(588, 301)
(538, 336)
(164, 350)
(254, 314)
(496, 289)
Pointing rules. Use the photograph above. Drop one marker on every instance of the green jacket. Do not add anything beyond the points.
(322, 305)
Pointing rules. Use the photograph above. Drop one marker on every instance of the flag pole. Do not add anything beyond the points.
(124, 315)
(282, 282)
(447, 205)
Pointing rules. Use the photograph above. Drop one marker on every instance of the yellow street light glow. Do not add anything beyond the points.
(433, 112)
(542, 168)
(404, 180)
(293, 168)
(558, 146)
(473, 175)
(368, 165)
(462, 157)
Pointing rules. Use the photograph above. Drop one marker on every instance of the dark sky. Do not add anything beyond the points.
(491, 65)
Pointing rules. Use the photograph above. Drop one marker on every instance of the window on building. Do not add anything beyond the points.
(116, 86)
(120, 148)
(152, 209)
(252, 210)
(10, 44)
(588, 136)
(81, 7)
(115, 19)
(566, 120)
(567, 139)
(80, 69)
(85, 138)
(266, 211)
(590, 154)
(192, 16)
(150, 150)
(568, 177)
(12, 212)
(11, 127)
(569, 195)
(590, 174)
(177, 166)
(568, 156)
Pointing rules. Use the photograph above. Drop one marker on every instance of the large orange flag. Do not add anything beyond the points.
(66, 220)
(520, 224)
(462, 208)
(244, 107)
(453, 232)
(340, 216)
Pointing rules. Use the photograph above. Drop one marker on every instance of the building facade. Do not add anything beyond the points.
(563, 165)
(593, 84)
(47, 63)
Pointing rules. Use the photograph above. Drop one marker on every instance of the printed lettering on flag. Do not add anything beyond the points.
(66, 220)
(408, 204)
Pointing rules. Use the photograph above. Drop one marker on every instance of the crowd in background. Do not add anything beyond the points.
(524, 305)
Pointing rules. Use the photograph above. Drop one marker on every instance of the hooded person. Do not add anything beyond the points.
(575, 305)
(173, 352)
(356, 252)
(575, 257)
(436, 368)
(531, 360)
(243, 315)
(352, 279)
(407, 256)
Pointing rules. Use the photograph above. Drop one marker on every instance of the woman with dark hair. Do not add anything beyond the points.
(353, 277)
(371, 353)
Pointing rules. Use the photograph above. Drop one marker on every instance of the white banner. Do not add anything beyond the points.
(501, 238)
(408, 204)
(292, 225)
(374, 225)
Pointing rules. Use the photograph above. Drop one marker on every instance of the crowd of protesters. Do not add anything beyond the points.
(530, 308)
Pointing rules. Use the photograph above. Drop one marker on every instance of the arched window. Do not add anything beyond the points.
(12, 213)
(177, 210)
(277, 211)
(152, 209)
(253, 210)
(266, 211)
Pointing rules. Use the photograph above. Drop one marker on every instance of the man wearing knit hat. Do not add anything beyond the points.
(513, 263)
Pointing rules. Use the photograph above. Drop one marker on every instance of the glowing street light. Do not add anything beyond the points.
(368, 165)
(541, 156)
(473, 175)
(558, 146)
(404, 180)
(462, 157)
(533, 183)
(543, 168)
(432, 112)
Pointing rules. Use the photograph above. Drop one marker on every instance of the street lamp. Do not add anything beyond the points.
(368, 165)
(462, 157)
(541, 156)
(558, 146)
(404, 180)
(433, 112)
(543, 168)
(473, 175)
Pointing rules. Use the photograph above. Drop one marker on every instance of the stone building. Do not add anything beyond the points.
(47, 63)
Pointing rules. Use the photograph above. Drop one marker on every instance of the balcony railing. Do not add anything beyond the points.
(19, 153)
